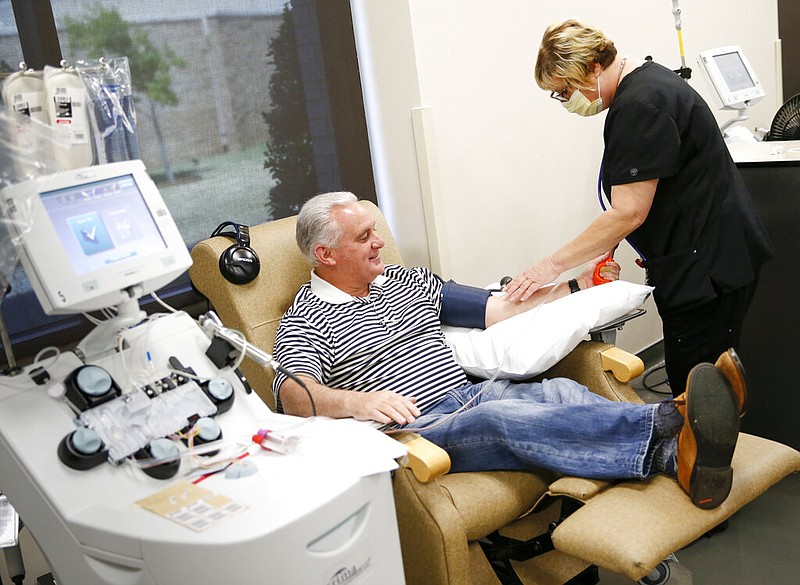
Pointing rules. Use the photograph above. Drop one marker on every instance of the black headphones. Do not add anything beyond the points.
(239, 264)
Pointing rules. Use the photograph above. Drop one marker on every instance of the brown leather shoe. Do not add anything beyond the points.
(708, 437)
(731, 367)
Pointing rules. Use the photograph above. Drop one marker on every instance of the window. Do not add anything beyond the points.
(244, 109)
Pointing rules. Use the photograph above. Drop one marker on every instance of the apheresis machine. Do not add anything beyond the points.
(734, 84)
(142, 456)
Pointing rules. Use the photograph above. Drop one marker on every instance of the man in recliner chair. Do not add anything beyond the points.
(364, 340)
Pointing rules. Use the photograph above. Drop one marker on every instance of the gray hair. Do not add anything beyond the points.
(315, 225)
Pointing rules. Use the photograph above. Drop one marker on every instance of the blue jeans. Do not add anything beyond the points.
(557, 425)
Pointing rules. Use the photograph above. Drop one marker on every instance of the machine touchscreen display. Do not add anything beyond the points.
(734, 71)
(102, 223)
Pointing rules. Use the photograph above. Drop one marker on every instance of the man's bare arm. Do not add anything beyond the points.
(382, 406)
(500, 308)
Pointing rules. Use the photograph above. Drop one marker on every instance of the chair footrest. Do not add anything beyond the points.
(632, 526)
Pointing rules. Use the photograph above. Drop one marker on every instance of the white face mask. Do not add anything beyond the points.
(580, 104)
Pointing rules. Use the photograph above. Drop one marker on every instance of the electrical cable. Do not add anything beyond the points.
(649, 372)
(210, 323)
(298, 381)
(43, 352)
(239, 336)
(92, 319)
(157, 299)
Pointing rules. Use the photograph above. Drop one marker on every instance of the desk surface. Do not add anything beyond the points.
(765, 152)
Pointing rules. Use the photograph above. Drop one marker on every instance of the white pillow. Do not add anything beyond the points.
(528, 344)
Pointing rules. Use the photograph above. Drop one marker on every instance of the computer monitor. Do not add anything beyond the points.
(95, 237)
(731, 76)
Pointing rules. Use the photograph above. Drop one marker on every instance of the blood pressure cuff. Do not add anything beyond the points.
(463, 306)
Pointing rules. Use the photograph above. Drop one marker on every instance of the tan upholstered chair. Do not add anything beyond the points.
(628, 527)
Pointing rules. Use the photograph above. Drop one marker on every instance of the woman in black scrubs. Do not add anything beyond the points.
(673, 190)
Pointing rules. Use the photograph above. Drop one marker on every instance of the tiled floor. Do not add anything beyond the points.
(762, 542)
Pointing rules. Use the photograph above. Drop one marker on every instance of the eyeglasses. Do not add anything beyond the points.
(560, 96)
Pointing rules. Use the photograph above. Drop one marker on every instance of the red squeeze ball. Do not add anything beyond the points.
(596, 277)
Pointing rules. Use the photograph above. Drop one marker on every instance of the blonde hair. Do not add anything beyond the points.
(569, 51)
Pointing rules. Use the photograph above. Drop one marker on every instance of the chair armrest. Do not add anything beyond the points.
(427, 460)
(625, 366)
(584, 364)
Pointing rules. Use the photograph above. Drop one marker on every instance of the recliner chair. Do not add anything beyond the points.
(470, 528)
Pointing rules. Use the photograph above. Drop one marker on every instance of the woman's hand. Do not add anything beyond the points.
(608, 272)
(524, 284)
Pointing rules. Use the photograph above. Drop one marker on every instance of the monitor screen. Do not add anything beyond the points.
(91, 238)
(734, 83)
(733, 71)
(102, 223)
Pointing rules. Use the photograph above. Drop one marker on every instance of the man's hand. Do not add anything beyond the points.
(383, 407)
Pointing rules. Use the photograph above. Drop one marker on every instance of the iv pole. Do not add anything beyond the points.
(685, 72)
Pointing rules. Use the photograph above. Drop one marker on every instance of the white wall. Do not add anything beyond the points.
(479, 172)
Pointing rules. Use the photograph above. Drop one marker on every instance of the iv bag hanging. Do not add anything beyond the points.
(26, 146)
(23, 92)
(66, 101)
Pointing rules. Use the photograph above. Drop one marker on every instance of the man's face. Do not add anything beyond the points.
(357, 256)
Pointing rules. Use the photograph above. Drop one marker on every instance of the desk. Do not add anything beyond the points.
(314, 517)
(771, 171)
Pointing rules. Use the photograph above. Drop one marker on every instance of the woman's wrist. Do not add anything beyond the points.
(553, 264)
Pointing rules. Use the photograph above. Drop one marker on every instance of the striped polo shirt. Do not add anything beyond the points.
(391, 340)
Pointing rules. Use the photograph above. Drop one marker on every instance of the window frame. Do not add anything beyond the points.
(40, 45)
